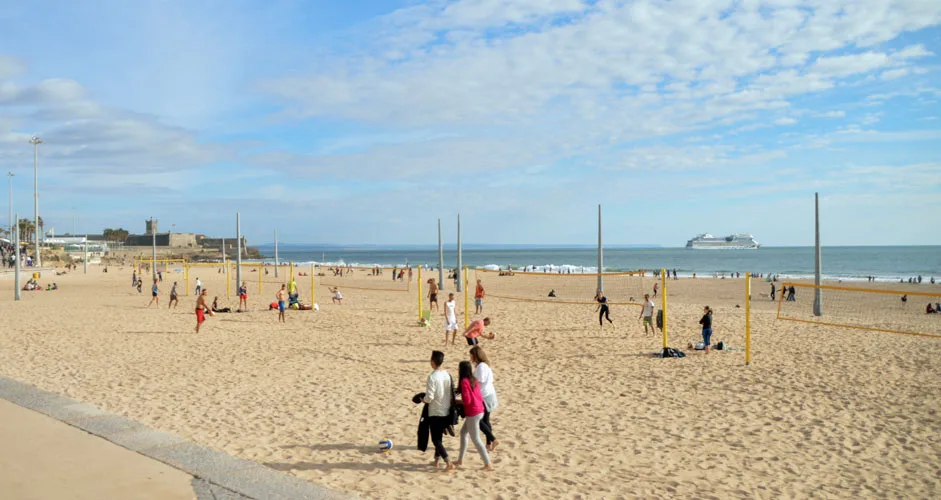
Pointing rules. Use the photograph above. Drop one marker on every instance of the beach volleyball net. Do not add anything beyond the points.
(627, 288)
(398, 279)
(903, 311)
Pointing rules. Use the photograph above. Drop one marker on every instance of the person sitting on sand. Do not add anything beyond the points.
(905, 298)
(216, 308)
(552, 292)
(930, 309)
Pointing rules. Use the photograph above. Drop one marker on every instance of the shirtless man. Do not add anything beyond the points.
(281, 297)
(432, 295)
(202, 308)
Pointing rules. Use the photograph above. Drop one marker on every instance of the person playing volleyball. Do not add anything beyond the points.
(602, 309)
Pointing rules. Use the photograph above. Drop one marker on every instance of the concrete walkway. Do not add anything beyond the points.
(42, 458)
(49, 449)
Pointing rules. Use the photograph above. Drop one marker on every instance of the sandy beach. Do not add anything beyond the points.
(584, 412)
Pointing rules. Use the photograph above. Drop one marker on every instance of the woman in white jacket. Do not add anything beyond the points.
(484, 376)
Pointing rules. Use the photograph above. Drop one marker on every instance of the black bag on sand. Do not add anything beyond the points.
(669, 352)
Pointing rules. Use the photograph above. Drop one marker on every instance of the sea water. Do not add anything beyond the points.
(890, 263)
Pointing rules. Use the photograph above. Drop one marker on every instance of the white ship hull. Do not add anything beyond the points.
(732, 242)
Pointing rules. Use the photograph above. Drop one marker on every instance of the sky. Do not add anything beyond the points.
(365, 122)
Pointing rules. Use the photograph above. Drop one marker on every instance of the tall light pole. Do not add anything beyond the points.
(12, 223)
(36, 141)
(153, 259)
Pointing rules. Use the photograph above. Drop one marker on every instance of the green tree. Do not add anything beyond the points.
(27, 230)
(119, 234)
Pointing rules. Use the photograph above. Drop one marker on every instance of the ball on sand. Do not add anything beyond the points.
(385, 445)
(493, 335)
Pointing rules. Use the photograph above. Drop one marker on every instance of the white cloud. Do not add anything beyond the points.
(785, 121)
(851, 64)
(832, 114)
(894, 74)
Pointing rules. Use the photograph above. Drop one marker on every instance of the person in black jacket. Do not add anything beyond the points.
(706, 323)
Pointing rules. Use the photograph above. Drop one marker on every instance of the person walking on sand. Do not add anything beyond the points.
(479, 298)
(174, 298)
(451, 319)
(706, 323)
(202, 308)
(602, 309)
(432, 295)
(140, 285)
(439, 392)
(484, 375)
(154, 295)
(199, 287)
(656, 287)
(772, 292)
(243, 297)
(281, 297)
(647, 313)
(473, 402)
(475, 329)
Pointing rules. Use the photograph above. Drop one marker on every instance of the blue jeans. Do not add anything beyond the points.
(706, 336)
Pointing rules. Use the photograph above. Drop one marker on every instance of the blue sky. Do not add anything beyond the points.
(365, 122)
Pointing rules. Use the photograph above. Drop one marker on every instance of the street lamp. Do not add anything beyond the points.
(12, 224)
(36, 141)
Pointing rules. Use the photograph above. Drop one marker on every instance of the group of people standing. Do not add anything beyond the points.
(474, 399)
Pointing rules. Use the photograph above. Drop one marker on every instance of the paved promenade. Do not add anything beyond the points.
(54, 447)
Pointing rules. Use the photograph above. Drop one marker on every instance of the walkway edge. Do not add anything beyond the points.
(221, 471)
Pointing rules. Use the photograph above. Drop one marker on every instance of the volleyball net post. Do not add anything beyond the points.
(313, 293)
(466, 301)
(747, 319)
(663, 305)
(261, 271)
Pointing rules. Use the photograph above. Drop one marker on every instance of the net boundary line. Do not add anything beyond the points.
(856, 327)
(864, 290)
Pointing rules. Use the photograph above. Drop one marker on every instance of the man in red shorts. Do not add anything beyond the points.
(202, 308)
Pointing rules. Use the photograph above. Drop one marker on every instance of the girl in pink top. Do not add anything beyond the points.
(473, 403)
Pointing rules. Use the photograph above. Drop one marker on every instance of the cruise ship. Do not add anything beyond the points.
(731, 242)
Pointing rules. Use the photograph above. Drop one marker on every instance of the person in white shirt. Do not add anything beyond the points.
(199, 287)
(438, 396)
(337, 297)
(484, 376)
(450, 319)
(647, 313)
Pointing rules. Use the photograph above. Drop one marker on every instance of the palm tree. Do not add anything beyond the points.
(27, 230)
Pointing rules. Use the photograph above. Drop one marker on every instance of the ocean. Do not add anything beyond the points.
(890, 263)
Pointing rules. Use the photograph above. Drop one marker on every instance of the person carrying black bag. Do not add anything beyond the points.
(439, 396)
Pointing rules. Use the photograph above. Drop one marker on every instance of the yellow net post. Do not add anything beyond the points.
(419, 293)
(292, 271)
(228, 285)
(186, 279)
(313, 299)
(466, 302)
(747, 318)
(663, 304)
(261, 270)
